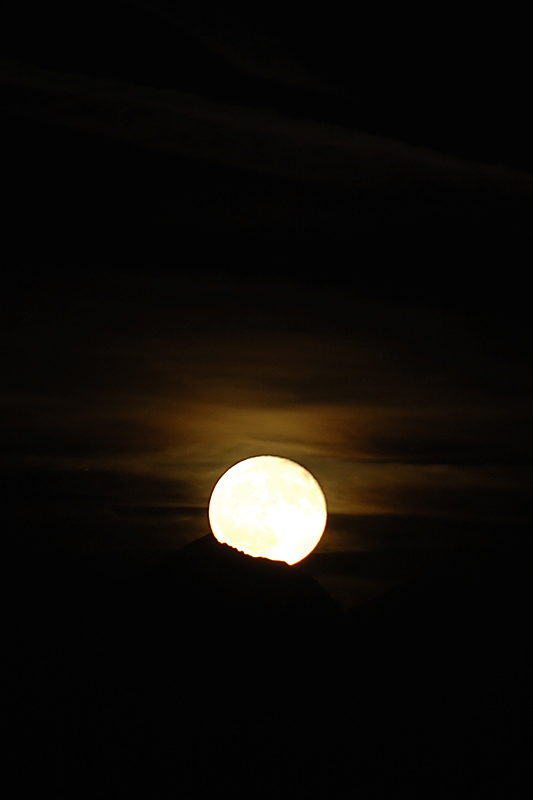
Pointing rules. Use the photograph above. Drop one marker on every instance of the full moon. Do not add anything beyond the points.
(268, 506)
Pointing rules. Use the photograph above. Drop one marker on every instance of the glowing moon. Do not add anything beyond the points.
(268, 506)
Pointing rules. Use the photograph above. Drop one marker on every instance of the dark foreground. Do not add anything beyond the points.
(207, 671)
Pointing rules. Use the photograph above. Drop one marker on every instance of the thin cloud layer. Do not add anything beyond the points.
(389, 425)
(208, 259)
(257, 139)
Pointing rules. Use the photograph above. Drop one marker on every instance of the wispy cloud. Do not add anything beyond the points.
(397, 415)
(257, 139)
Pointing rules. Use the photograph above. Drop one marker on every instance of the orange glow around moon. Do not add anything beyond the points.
(268, 506)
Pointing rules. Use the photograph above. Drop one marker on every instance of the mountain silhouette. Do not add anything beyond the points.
(447, 665)
(207, 670)
(162, 669)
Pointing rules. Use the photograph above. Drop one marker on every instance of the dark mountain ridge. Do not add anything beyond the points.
(139, 664)
(207, 668)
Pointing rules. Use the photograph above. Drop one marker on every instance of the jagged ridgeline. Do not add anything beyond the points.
(205, 669)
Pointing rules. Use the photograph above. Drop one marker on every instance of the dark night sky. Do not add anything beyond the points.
(275, 233)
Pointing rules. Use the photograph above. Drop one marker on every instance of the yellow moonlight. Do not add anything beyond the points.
(268, 506)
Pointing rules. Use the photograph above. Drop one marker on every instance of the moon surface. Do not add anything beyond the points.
(268, 506)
